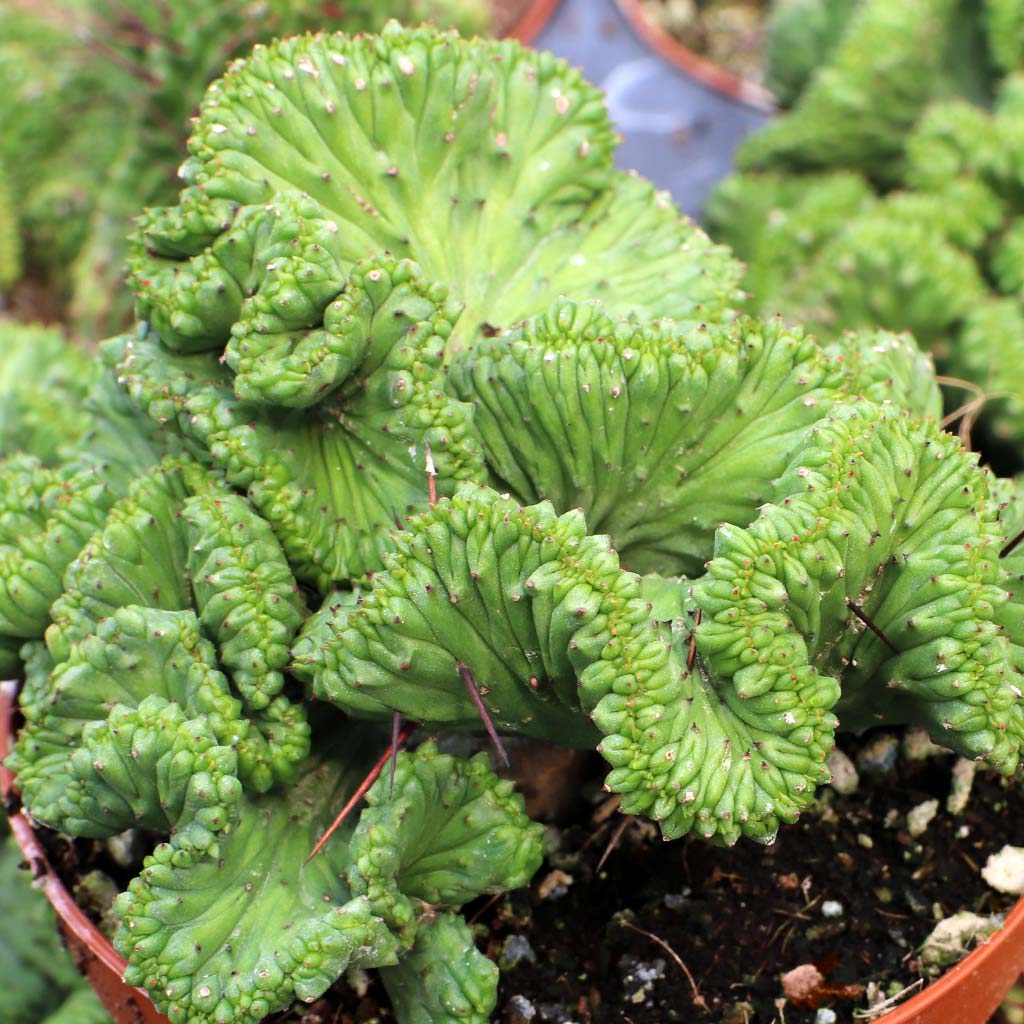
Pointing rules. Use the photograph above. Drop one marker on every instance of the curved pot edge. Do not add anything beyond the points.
(92, 952)
(714, 76)
(533, 22)
(975, 985)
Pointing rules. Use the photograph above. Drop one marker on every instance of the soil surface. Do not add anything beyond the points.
(729, 33)
(687, 931)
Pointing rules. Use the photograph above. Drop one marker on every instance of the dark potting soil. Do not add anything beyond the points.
(686, 931)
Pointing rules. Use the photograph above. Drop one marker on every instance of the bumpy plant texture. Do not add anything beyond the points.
(921, 233)
(870, 85)
(239, 932)
(877, 510)
(43, 387)
(70, 446)
(801, 36)
(329, 268)
(158, 702)
(412, 353)
(95, 101)
(127, 623)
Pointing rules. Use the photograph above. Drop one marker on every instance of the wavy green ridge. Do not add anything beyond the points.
(245, 592)
(663, 431)
(878, 509)
(46, 518)
(450, 831)
(232, 938)
(447, 147)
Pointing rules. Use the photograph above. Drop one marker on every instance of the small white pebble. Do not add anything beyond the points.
(963, 781)
(845, 778)
(1005, 870)
(831, 908)
(920, 817)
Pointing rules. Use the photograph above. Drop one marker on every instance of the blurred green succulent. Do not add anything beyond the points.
(95, 102)
(872, 205)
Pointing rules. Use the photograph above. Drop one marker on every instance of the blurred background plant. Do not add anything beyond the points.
(40, 982)
(95, 101)
(892, 194)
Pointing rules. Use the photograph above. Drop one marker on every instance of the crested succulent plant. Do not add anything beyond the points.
(859, 75)
(344, 275)
(420, 381)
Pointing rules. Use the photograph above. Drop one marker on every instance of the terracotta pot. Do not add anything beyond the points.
(712, 75)
(532, 23)
(971, 992)
(968, 993)
(94, 956)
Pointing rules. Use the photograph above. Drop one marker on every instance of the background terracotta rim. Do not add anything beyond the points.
(714, 76)
(978, 982)
(532, 23)
(94, 956)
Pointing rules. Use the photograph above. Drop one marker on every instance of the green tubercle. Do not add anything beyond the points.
(234, 937)
(450, 831)
(444, 978)
(245, 593)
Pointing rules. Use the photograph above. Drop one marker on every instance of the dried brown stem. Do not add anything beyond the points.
(697, 1000)
(396, 729)
(431, 475)
(692, 652)
(360, 792)
(617, 835)
(474, 693)
(1012, 544)
(863, 616)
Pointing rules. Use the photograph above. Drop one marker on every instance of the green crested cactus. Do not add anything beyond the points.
(446, 832)
(626, 420)
(443, 977)
(802, 35)
(413, 351)
(514, 174)
(367, 899)
(281, 283)
(1004, 29)
(877, 512)
(44, 383)
(150, 767)
(46, 519)
(856, 109)
(247, 596)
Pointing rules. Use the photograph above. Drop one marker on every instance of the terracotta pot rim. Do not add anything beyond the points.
(714, 76)
(990, 953)
(71, 916)
(533, 22)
